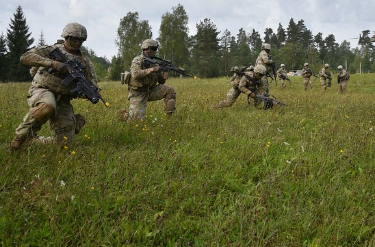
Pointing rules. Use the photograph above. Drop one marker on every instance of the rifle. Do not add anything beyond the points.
(310, 72)
(84, 86)
(284, 77)
(329, 77)
(273, 66)
(165, 65)
(268, 102)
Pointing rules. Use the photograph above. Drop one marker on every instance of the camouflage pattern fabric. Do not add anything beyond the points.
(343, 81)
(323, 78)
(147, 86)
(282, 73)
(48, 91)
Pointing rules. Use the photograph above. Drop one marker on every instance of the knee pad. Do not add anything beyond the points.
(170, 106)
(42, 112)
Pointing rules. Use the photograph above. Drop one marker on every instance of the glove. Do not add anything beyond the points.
(60, 67)
(155, 68)
(252, 95)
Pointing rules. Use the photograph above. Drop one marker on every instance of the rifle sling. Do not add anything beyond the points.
(251, 79)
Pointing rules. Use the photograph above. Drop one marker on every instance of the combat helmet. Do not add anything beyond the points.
(305, 64)
(282, 65)
(149, 43)
(235, 69)
(260, 69)
(266, 46)
(75, 30)
(339, 67)
(326, 65)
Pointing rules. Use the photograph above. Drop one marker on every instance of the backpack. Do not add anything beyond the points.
(125, 77)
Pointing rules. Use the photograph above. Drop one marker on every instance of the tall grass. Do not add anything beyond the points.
(301, 175)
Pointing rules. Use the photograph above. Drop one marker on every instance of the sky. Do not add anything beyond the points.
(343, 18)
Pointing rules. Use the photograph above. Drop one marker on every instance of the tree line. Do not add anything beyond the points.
(209, 53)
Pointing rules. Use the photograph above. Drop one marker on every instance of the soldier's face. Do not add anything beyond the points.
(73, 44)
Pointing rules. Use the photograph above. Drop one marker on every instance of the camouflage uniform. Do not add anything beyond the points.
(145, 85)
(324, 76)
(249, 85)
(306, 74)
(282, 74)
(234, 92)
(343, 77)
(266, 60)
(49, 99)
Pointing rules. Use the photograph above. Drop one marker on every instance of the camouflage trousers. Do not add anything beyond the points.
(232, 96)
(307, 82)
(64, 125)
(138, 101)
(342, 86)
(323, 83)
(264, 85)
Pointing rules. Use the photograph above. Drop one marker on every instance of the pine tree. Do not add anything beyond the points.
(3, 57)
(19, 42)
(41, 40)
(205, 53)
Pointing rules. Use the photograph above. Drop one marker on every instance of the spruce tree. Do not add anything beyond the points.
(19, 42)
(3, 58)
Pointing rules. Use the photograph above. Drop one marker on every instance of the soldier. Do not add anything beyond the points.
(342, 78)
(250, 83)
(147, 84)
(48, 98)
(324, 75)
(265, 59)
(234, 92)
(306, 74)
(282, 74)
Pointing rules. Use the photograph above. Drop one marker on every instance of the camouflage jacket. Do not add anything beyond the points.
(235, 80)
(39, 59)
(141, 77)
(306, 72)
(247, 83)
(264, 59)
(281, 73)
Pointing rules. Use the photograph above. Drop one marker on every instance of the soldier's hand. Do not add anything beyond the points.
(60, 67)
(156, 68)
(252, 95)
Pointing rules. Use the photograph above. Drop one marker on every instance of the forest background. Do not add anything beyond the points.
(209, 53)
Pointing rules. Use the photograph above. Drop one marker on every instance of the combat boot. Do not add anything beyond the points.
(16, 143)
(123, 114)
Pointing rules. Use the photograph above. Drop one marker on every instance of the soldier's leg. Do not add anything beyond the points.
(232, 96)
(343, 86)
(42, 104)
(264, 86)
(138, 104)
(324, 85)
(63, 124)
(167, 93)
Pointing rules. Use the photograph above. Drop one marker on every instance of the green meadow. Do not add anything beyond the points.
(301, 175)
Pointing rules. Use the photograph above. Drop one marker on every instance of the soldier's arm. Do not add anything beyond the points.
(137, 71)
(37, 57)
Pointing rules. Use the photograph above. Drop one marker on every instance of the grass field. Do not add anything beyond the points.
(301, 175)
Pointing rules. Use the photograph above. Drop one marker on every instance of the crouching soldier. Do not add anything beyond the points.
(48, 98)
